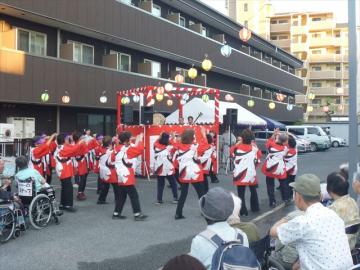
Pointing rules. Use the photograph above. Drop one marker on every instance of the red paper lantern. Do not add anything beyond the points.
(280, 97)
(229, 97)
(245, 34)
(326, 109)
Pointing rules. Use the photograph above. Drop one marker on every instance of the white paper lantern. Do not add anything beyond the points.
(185, 97)
(226, 50)
(136, 98)
(168, 87)
(290, 107)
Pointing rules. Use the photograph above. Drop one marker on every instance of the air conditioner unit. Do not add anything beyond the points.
(18, 123)
(6, 132)
(29, 127)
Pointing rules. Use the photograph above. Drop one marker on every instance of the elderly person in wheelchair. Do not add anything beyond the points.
(37, 196)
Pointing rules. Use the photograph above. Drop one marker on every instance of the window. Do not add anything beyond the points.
(31, 42)
(181, 71)
(316, 101)
(337, 68)
(317, 19)
(155, 68)
(316, 52)
(273, 37)
(204, 31)
(246, 23)
(316, 35)
(316, 68)
(156, 10)
(283, 21)
(283, 37)
(316, 84)
(295, 23)
(338, 84)
(297, 131)
(260, 135)
(182, 22)
(337, 34)
(313, 131)
(83, 53)
(124, 61)
(245, 7)
(337, 51)
(337, 100)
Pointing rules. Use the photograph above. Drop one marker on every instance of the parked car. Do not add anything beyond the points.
(262, 136)
(337, 141)
(319, 140)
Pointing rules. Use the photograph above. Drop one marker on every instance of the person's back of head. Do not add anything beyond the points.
(188, 136)
(21, 162)
(76, 136)
(164, 138)
(337, 184)
(282, 138)
(124, 137)
(292, 141)
(106, 141)
(60, 139)
(247, 136)
(184, 262)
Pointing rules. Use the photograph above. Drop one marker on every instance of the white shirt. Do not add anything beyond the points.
(203, 249)
(320, 239)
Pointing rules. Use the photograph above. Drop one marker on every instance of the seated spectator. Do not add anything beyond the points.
(216, 207)
(343, 205)
(319, 234)
(184, 262)
(248, 228)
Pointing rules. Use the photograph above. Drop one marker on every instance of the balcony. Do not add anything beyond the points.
(329, 91)
(282, 43)
(325, 58)
(298, 30)
(326, 74)
(322, 42)
(321, 25)
(300, 99)
(299, 47)
(280, 27)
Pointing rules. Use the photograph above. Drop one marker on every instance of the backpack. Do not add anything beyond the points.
(232, 255)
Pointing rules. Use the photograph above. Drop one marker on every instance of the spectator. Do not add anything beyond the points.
(190, 120)
(216, 207)
(181, 121)
(184, 262)
(319, 234)
(248, 228)
(226, 140)
(343, 205)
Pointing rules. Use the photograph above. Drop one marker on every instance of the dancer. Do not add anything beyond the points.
(164, 167)
(246, 157)
(291, 162)
(207, 156)
(190, 171)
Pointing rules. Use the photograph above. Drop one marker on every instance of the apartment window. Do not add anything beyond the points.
(316, 52)
(337, 51)
(338, 84)
(155, 68)
(124, 61)
(181, 71)
(245, 7)
(316, 19)
(83, 53)
(156, 10)
(316, 68)
(276, 63)
(316, 101)
(273, 37)
(283, 37)
(295, 23)
(316, 35)
(283, 21)
(337, 34)
(337, 100)
(182, 22)
(204, 31)
(337, 68)
(316, 84)
(31, 42)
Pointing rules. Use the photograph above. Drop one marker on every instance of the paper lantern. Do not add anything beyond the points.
(206, 64)
(159, 97)
(136, 98)
(192, 73)
(182, 102)
(280, 97)
(290, 107)
(325, 109)
(272, 105)
(168, 87)
(45, 96)
(226, 50)
(151, 102)
(229, 97)
(185, 97)
(160, 90)
(205, 98)
(127, 100)
(245, 34)
(179, 79)
(169, 102)
(311, 96)
(65, 98)
(123, 101)
(103, 99)
(251, 103)
(310, 108)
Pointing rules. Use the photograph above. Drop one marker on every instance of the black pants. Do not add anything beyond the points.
(199, 188)
(206, 183)
(291, 179)
(254, 200)
(66, 192)
(49, 176)
(284, 188)
(103, 191)
(77, 179)
(82, 183)
(213, 176)
(123, 191)
(98, 187)
(161, 185)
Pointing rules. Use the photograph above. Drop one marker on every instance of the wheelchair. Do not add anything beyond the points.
(12, 222)
(41, 206)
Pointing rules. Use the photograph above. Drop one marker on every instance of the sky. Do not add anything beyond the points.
(339, 7)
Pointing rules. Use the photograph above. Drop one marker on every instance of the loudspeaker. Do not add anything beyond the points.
(147, 115)
(127, 114)
(231, 116)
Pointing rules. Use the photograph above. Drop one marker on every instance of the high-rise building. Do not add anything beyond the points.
(253, 14)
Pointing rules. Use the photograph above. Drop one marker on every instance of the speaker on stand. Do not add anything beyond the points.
(147, 115)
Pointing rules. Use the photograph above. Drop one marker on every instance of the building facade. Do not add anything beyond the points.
(82, 50)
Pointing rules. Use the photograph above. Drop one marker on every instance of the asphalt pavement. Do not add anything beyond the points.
(90, 240)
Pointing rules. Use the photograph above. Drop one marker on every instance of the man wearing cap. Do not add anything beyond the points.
(216, 207)
(319, 234)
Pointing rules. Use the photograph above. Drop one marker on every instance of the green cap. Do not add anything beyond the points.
(307, 184)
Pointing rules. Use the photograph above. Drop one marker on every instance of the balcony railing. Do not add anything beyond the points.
(329, 91)
(322, 42)
(325, 58)
(326, 74)
(299, 47)
(282, 43)
(280, 27)
(321, 25)
(318, 110)
(298, 30)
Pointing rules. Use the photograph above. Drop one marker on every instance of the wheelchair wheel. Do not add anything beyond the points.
(274, 264)
(7, 225)
(40, 211)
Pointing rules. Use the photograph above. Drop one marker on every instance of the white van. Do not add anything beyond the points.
(319, 140)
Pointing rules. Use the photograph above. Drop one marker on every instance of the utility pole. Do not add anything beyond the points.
(353, 118)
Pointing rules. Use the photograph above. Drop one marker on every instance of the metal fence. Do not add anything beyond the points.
(14, 148)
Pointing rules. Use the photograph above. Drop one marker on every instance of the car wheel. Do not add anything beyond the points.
(313, 147)
(335, 144)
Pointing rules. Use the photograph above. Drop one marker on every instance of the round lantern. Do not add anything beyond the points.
(192, 73)
(310, 108)
(160, 90)
(226, 50)
(123, 101)
(127, 100)
(272, 105)
(168, 87)
(229, 97)
(206, 64)
(169, 102)
(103, 98)
(45, 96)
(245, 34)
(179, 79)
(185, 97)
(65, 98)
(182, 102)
(136, 98)
(280, 97)
(205, 98)
(290, 107)
(311, 96)
(251, 103)
(325, 109)
(159, 97)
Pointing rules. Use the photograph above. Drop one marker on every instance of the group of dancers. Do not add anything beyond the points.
(182, 159)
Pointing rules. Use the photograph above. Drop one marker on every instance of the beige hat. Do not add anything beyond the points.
(307, 184)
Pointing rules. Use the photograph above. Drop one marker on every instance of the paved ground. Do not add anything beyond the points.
(91, 240)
